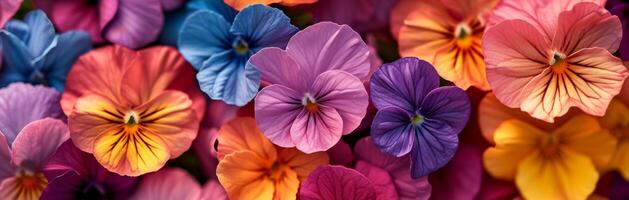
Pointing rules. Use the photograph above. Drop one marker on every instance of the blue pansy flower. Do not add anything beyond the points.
(174, 19)
(33, 53)
(220, 49)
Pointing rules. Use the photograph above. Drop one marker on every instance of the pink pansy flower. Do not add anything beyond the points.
(332, 182)
(315, 93)
(175, 183)
(390, 175)
(22, 161)
(8, 9)
(130, 23)
(547, 56)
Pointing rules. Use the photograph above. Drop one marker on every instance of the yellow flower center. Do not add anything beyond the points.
(27, 185)
(417, 119)
(558, 63)
(463, 34)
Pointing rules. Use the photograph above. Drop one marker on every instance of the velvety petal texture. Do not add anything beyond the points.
(546, 58)
(336, 183)
(22, 103)
(133, 127)
(33, 53)
(315, 85)
(421, 118)
(221, 59)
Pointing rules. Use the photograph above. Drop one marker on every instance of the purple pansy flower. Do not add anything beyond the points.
(74, 174)
(22, 160)
(336, 183)
(22, 103)
(389, 174)
(415, 115)
(620, 8)
(315, 93)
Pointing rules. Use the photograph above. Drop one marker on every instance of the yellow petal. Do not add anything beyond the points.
(286, 188)
(243, 175)
(302, 163)
(243, 134)
(92, 116)
(584, 135)
(568, 176)
(23, 186)
(515, 140)
(616, 118)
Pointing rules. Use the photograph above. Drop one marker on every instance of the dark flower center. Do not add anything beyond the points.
(91, 191)
(37, 77)
(240, 46)
(93, 2)
(131, 119)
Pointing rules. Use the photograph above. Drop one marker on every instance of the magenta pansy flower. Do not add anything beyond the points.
(130, 23)
(415, 115)
(22, 160)
(175, 183)
(332, 182)
(22, 103)
(389, 174)
(74, 174)
(315, 92)
(8, 9)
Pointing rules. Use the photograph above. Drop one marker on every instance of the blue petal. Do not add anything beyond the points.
(263, 26)
(225, 77)
(41, 38)
(60, 59)
(175, 19)
(18, 28)
(203, 34)
(392, 131)
(16, 62)
(432, 149)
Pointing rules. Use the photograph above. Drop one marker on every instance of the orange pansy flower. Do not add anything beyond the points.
(133, 110)
(617, 121)
(252, 168)
(446, 33)
(240, 4)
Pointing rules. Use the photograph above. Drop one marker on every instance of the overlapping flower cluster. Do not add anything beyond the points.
(289, 99)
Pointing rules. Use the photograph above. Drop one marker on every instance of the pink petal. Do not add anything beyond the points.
(380, 178)
(167, 184)
(587, 25)
(327, 46)
(341, 154)
(276, 107)
(38, 141)
(136, 24)
(8, 9)
(85, 17)
(398, 168)
(319, 131)
(336, 183)
(170, 5)
(277, 67)
(212, 190)
(345, 93)
(515, 52)
(464, 172)
(6, 167)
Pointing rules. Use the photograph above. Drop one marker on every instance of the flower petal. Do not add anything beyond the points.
(569, 176)
(409, 80)
(241, 134)
(448, 105)
(276, 108)
(6, 167)
(37, 142)
(42, 37)
(343, 92)
(21, 104)
(241, 4)
(341, 154)
(16, 58)
(302, 163)
(212, 190)
(135, 24)
(194, 43)
(166, 184)
(63, 186)
(319, 131)
(583, 132)
(464, 172)
(515, 52)
(515, 140)
(587, 25)
(169, 5)
(392, 131)
(328, 46)
(242, 175)
(70, 46)
(336, 183)
(91, 118)
(263, 26)
(382, 182)
(8, 9)
(225, 76)
(277, 67)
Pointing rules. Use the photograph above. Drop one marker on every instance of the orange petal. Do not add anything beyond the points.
(297, 2)
(243, 175)
(620, 160)
(93, 116)
(402, 9)
(569, 176)
(583, 132)
(424, 31)
(464, 67)
(23, 187)
(302, 163)
(286, 188)
(242, 134)
(170, 117)
(240, 4)
(515, 140)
